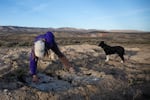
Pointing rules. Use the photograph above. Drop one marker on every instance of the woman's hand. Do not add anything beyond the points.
(35, 78)
(71, 70)
(65, 62)
(67, 65)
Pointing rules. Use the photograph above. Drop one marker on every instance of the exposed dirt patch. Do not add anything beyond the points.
(94, 79)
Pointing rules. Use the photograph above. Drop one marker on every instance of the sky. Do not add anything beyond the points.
(86, 14)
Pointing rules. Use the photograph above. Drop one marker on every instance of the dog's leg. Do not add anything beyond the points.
(122, 58)
(107, 58)
(121, 61)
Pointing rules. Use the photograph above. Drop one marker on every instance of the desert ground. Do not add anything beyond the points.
(94, 79)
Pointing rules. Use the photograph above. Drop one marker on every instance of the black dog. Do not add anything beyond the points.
(112, 50)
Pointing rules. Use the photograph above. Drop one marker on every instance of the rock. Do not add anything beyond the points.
(5, 69)
(47, 83)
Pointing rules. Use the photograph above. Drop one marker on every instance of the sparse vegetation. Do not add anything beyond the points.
(12, 40)
(112, 80)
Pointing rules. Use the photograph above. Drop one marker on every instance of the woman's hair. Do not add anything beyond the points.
(39, 48)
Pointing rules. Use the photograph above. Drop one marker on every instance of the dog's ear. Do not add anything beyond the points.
(102, 42)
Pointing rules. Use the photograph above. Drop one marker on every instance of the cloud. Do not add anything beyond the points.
(39, 8)
(30, 6)
(135, 12)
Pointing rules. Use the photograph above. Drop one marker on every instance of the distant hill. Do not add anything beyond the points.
(24, 36)
(127, 31)
(11, 29)
(61, 32)
(16, 29)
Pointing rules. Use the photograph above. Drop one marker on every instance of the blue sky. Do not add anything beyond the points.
(87, 14)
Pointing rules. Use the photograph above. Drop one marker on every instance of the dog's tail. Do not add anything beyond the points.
(124, 52)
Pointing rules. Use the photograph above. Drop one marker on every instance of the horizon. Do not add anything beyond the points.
(79, 14)
(113, 30)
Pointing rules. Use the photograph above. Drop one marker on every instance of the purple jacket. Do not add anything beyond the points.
(50, 44)
(49, 37)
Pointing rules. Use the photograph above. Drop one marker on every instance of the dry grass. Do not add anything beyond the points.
(11, 40)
